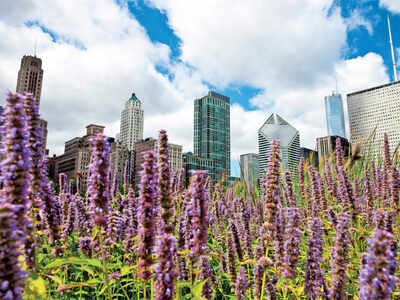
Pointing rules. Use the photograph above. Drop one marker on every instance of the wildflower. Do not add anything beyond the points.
(146, 232)
(164, 270)
(292, 242)
(376, 280)
(98, 185)
(339, 259)
(315, 280)
(241, 284)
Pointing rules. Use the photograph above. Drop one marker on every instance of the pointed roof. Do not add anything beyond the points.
(133, 97)
(276, 128)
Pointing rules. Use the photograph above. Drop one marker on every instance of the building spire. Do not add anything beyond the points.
(392, 49)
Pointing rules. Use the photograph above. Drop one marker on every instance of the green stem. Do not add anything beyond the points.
(103, 257)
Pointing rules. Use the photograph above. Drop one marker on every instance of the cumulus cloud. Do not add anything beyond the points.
(393, 5)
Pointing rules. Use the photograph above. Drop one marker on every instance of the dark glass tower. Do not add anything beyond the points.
(212, 132)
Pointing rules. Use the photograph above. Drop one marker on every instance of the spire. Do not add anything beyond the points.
(391, 47)
(133, 97)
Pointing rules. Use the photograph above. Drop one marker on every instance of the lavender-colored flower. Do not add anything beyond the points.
(330, 181)
(205, 273)
(71, 220)
(51, 213)
(316, 188)
(395, 186)
(164, 184)
(62, 182)
(15, 164)
(339, 153)
(98, 184)
(200, 214)
(289, 186)
(231, 257)
(11, 275)
(270, 191)
(368, 187)
(292, 242)
(236, 240)
(332, 217)
(83, 221)
(147, 197)
(279, 238)
(241, 284)
(301, 179)
(315, 281)
(164, 269)
(376, 280)
(114, 226)
(132, 215)
(126, 176)
(339, 259)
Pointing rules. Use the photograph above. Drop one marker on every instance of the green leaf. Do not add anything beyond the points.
(94, 262)
(197, 289)
(125, 270)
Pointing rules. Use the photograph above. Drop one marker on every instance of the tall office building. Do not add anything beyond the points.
(30, 80)
(335, 115)
(212, 132)
(276, 128)
(249, 169)
(131, 129)
(375, 110)
(30, 77)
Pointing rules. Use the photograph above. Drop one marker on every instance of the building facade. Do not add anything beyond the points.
(118, 156)
(327, 144)
(76, 157)
(276, 128)
(175, 155)
(335, 115)
(249, 168)
(373, 112)
(212, 131)
(30, 77)
(30, 80)
(131, 127)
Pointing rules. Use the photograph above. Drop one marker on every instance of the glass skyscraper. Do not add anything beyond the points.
(334, 115)
(212, 132)
(276, 128)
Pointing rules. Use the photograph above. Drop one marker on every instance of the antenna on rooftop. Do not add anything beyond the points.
(391, 47)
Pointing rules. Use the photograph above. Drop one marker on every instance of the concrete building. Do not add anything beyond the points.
(212, 132)
(175, 155)
(327, 144)
(249, 168)
(76, 157)
(310, 155)
(192, 163)
(372, 112)
(131, 127)
(335, 115)
(276, 128)
(30, 79)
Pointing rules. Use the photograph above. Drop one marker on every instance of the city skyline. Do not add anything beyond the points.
(79, 87)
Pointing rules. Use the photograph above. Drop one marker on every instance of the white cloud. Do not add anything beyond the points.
(393, 5)
(356, 20)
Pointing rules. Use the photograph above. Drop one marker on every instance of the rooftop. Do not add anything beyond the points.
(373, 88)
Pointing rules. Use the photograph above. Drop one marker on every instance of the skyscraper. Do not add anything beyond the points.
(131, 129)
(335, 115)
(276, 128)
(372, 112)
(212, 131)
(249, 170)
(30, 80)
(327, 144)
(30, 76)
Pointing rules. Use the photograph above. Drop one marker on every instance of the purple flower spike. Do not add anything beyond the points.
(126, 177)
(339, 259)
(147, 197)
(292, 243)
(62, 182)
(241, 284)
(164, 270)
(200, 214)
(376, 280)
(11, 276)
(16, 163)
(315, 280)
(98, 186)
(164, 184)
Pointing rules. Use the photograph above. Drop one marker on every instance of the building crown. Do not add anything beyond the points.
(133, 97)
